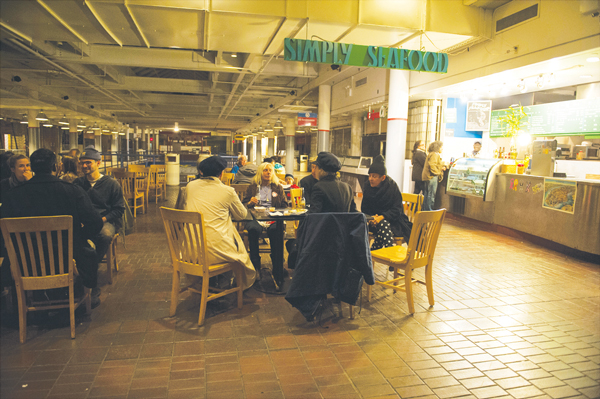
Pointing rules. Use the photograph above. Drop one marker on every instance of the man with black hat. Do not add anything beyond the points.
(219, 204)
(107, 197)
(382, 200)
(46, 195)
(330, 194)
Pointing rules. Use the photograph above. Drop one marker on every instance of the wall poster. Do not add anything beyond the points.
(560, 195)
(479, 115)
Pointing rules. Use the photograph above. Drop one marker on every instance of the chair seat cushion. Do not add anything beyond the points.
(395, 254)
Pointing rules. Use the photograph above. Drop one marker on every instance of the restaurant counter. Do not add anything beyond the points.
(518, 204)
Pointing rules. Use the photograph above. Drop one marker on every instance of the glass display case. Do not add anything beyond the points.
(473, 177)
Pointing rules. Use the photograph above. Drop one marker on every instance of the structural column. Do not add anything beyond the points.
(33, 131)
(290, 144)
(323, 118)
(397, 125)
(245, 149)
(270, 144)
(73, 135)
(356, 134)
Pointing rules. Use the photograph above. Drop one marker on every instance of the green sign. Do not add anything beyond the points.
(364, 56)
(565, 118)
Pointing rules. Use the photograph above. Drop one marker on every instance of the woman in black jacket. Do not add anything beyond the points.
(383, 201)
(418, 162)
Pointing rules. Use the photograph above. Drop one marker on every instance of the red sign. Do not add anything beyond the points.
(372, 116)
(307, 119)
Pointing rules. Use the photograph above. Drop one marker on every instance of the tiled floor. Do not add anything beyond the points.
(511, 320)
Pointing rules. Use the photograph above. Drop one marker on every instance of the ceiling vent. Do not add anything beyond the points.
(360, 82)
(515, 14)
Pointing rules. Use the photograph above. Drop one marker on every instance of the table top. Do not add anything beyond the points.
(264, 214)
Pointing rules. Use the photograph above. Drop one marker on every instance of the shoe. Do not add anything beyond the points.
(96, 292)
(95, 301)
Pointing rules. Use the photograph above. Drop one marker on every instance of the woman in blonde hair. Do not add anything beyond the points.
(266, 191)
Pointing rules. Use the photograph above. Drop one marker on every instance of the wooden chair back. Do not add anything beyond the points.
(296, 196)
(129, 185)
(186, 236)
(158, 180)
(40, 250)
(412, 204)
(110, 171)
(423, 237)
(240, 190)
(227, 178)
(135, 167)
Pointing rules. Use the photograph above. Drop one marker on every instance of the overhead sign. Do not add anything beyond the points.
(307, 119)
(239, 137)
(364, 56)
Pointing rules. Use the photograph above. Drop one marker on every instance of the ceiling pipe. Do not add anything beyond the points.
(71, 74)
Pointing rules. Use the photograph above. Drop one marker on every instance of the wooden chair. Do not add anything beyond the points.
(109, 171)
(142, 174)
(40, 250)
(158, 181)
(227, 178)
(412, 204)
(296, 196)
(420, 251)
(240, 190)
(128, 183)
(187, 245)
(111, 259)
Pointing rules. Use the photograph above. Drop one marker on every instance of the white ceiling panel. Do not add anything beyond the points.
(240, 33)
(171, 27)
(376, 35)
(115, 18)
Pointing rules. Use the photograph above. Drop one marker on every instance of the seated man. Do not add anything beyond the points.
(46, 195)
(265, 191)
(106, 195)
(383, 201)
(245, 174)
(218, 204)
(330, 194)
(240, 162)
(308, 182)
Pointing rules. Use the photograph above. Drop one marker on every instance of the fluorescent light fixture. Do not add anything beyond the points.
(47, 125)
(593, 58)
(24, 121)
(41, 116)
(585, 76)
(268, 128)
(95, 127)
(64, 127)
(278, 124)
(64, 120)
(234, 55)
(105, 129)
(176, 128)
(261, 130)
(81, 125)
(299, 130)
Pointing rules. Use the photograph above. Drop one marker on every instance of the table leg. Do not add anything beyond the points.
(278, 258)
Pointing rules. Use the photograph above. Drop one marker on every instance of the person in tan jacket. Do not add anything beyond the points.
(433, 171)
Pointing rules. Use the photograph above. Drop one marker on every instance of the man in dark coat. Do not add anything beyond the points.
(106, 195)
(418, 162)
(382, 200)
(308, 182)
(330, 194)
(46, 195)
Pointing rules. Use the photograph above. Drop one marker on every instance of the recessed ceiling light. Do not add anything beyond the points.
(593, 58)
(234, 55)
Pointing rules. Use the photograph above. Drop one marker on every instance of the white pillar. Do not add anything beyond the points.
(73, 136)
(356, 134)
(245, 149)
(323, 118)
(397, 125)
(33, 130)
(270, 144)
(290, 144)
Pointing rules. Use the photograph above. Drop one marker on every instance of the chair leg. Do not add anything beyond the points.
(429, 284)
(174, 293)
(134, 207)
(369, 289)
(114, 251)
(22, 315)
(351, 311)
(409, 290)
(72, 309)
(203, 300)
(109, 263)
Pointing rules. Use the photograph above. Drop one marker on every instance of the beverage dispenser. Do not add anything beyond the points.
(543, 157)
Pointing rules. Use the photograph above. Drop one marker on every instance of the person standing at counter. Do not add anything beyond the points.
(418, 162)
(433, 172)
(476, 150)
(382, 200)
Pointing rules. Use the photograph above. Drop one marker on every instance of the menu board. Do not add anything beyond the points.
(564, 118)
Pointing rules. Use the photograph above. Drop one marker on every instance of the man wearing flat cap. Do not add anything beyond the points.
(107, 197)
(330, 194)
(218, 204)
(308, 182)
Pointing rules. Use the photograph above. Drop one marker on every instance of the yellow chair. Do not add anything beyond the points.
(420, 251)
(296, 197)
(128, 182)
(412, 204)
(227, 178)
(142, 181)
(40, 250)
(158, 181)
(187, 245)
(240, 190)
(111, 258)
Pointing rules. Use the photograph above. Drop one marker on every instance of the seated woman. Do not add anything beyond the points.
(330, 194)
(382, 200)
(266, 191)
(69, 169)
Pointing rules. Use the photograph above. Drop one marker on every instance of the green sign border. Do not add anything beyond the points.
(324, 52)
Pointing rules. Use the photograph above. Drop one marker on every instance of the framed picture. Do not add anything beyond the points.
(478, 115)
(560, 195)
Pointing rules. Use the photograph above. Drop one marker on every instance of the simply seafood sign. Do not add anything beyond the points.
(364, 56)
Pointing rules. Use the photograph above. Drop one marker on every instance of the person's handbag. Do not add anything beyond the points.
(350, 286)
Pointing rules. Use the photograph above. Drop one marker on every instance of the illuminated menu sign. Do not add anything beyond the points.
(364, 56)
(566, 118)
